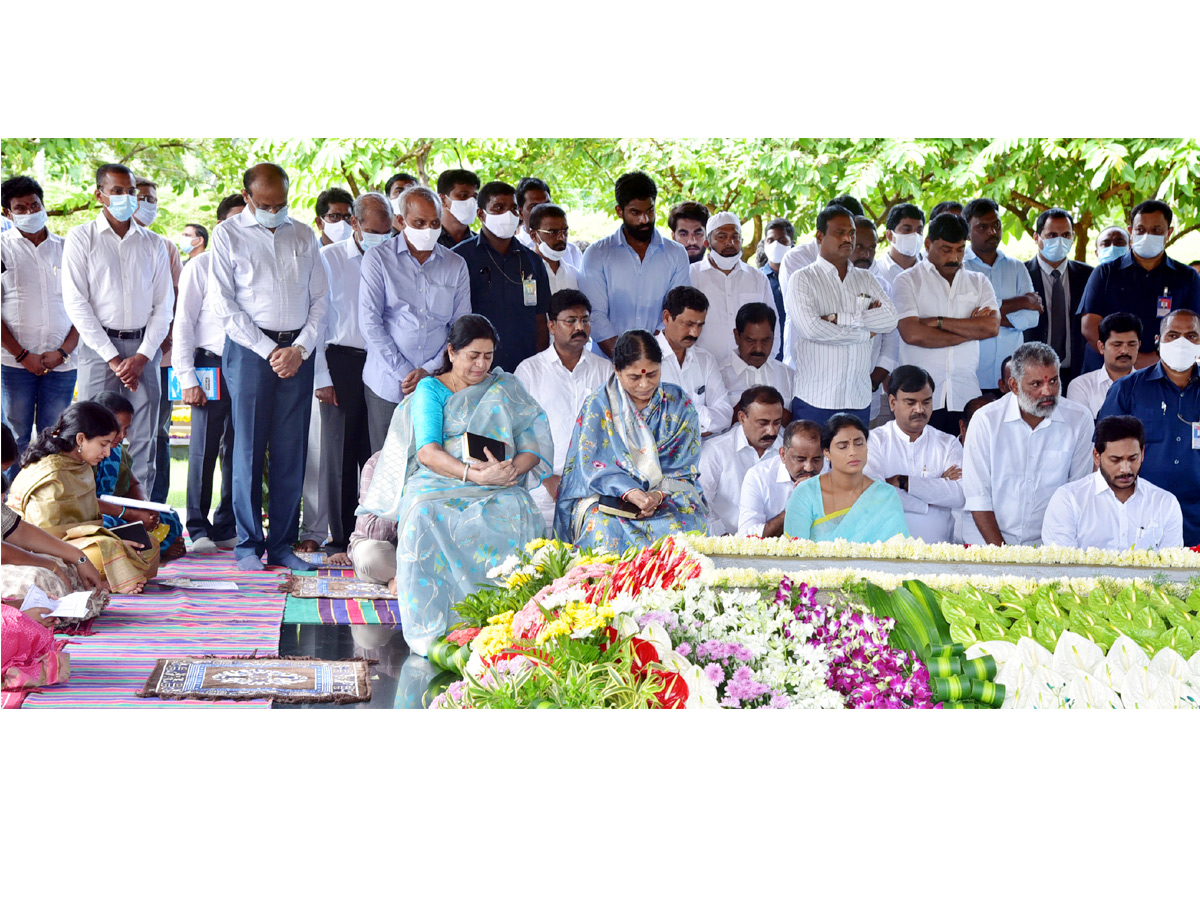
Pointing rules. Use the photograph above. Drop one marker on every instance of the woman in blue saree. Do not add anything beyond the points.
(844, 503)
(458, 518)
(637, 439)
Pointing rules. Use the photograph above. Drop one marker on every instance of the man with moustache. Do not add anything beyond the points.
(1112, 509)
(548, 224)
(806, 254)
(560, 378)
(683, 316)
(1120, 338)
(769, 483)
(725, 460)
(532, 193)
(923, 464)
(1021, 449)
(687, 221)
(754, 334)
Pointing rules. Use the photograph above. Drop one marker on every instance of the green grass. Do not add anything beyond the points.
(177, 492)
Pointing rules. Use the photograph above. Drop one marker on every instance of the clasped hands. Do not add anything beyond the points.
(129, 370)
(285, 361)
(495, 472)
(647, 502)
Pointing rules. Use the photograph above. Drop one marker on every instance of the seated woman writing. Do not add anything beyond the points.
(639, 440)
(115, 478)
(844, 503)
(456, 517)
(56, 491)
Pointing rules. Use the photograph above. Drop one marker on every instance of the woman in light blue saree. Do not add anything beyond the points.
(458, 518)
(637, 439)
(844, 503)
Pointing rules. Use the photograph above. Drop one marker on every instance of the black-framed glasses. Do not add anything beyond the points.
(332, 217)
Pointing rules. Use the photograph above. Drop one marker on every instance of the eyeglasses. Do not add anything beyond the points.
(336, 217)
(572, 322)
(556, 233)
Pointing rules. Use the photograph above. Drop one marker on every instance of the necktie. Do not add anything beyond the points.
(1058, 317)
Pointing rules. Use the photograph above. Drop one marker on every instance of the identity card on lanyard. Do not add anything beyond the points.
(1196, 435)
(530, 288)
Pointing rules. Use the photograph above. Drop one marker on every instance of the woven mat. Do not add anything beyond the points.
(294, 680)
(340, 611)
(321, 586)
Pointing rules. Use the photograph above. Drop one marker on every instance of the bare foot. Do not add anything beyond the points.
(137, 587)
(176, 550)
(339, 559)
(392, 586)
(307, 547)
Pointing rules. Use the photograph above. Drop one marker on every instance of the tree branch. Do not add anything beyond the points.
(68, 212)
(1178, 234)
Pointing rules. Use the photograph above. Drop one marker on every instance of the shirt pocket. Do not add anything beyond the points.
(1155, 426)
(1054, 466)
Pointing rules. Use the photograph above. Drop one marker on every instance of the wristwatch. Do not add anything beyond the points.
(65, 355)
(939, 324)
(304, 354)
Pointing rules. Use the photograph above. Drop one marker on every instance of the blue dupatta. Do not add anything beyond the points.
(876, 515)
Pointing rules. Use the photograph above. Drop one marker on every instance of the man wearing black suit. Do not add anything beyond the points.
(1060, 282)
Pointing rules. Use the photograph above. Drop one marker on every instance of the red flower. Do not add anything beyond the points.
(643, 654)
(462, 636)
(674, 692)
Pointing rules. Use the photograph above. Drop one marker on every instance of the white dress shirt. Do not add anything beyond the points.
(197, 325)
(32, 296)
(726, 295)
(267, 279)
(930, 498)
(887, 268)
(1013, 469)
(793, 261)
(921, 291)
(700, 376)
(560, 392)
(343, 263)
(1090, 390)
(118, 283)
(1086, 513)
(574, 256)
(724, 462)
(833, 361)
(765, 492)
(566, 277)
(739, 375)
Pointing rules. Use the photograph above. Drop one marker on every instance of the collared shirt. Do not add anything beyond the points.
(1009, 279)
(566, 277)
(1048, 270)
(921, 291)
(32, 295)
(765, 492)
(726, 295)
(197, 325)
(561, 391)
(627, 292)
(343, 266)
(117, 283)
(701, 378)
(1090, 389)
(1013, 470)
(450, 243)
(887, 268)
(794, 260)
(573, 254)
(405, 310)
(1121, 285)
(724, 462)
(498, 292)
(1168, 415)
(780, 311)
(739, 375)
(930, 498)
(833, 361)
(1086, 513)
(267, 279)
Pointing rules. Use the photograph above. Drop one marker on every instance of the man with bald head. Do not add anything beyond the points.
(270, 289)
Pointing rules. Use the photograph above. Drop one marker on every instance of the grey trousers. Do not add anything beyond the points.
(95, 376)
(374, 560)
(379, 417)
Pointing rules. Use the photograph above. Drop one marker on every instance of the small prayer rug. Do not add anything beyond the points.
(298, 680)
(322, 586)
(340, 611)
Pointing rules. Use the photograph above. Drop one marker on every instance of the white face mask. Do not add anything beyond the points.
(338, 231)
(1178, 354)
(422, 239)
(466, 211)
(724, 263)
(396, 208)
(549, 252)
(186, 244)
(502, 225)
(907, 244)
(776, 252)
(31, 223)
(145, 213)
(1148, 246)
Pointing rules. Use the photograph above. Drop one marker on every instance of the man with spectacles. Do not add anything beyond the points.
(549, 230)
(531, 193)
(333, 216)
(560, 379)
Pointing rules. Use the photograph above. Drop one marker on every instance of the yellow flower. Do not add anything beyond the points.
(493, 638)
(535, 545)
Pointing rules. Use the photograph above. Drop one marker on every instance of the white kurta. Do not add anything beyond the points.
(930, 498)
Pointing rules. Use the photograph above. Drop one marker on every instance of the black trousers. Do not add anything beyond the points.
(345, 442)
(212, 432)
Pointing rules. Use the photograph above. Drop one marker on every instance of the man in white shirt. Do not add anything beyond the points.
(560, 378)
(683, 314)
(806, 254)
(1020, 449)
(198, 340)
(549, 241)
(754, 363)
(728, 283)
(532, 193)
(923, 464)
(270, 289)
(769, 483)
(117, 291)
(338, 374)
(834, 309)
(725, 460)
(944, 311)
(1120, 338)
(686, 223)
(1111, 509)
(333, 216)
(38, 337)
(905, 223)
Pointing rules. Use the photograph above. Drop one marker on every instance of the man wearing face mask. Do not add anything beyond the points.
(905, 223)
(410, 292)
(769, 483)
(338, 376)
(686, 222)
(270, 289)
(779, 237)
(192, 242)
(1166, 397)
(1058, 280)
(548, 224)
(117, 291)
(1147, 282)
(457, 192)
(729, 284)
(1112, 243)
(333, 216)
(531, 193)
(725, 460)
(395, 186)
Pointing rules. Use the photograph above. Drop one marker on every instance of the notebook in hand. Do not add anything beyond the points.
(136, 532)
(474, 444)
(615, 506)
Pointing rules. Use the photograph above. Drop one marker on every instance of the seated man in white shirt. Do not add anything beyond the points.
(1111, 509)
(683, 313)
(560, 378)
(753, 363)
(922, 463)
(1120, 338)
(725, 460)
(1022, 448)
(768, 485)
(548, 228)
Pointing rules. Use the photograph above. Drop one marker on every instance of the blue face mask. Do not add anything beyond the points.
(121, 206)
(1056, 249)
(270, 219)
(373, 240)
(1111, 252)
